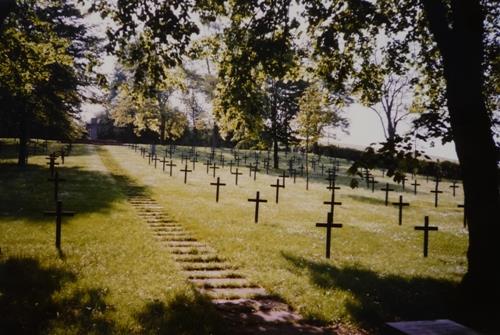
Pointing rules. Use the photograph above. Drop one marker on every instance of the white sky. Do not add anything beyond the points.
(365, 127)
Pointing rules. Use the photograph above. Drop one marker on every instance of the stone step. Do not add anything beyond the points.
(222, 283)
(205, 274)
(234, 293)
(176, 239)
(168, 228)
(191, 251)
(180, 234)
(186, 244)
(206, 266)
(197, 259)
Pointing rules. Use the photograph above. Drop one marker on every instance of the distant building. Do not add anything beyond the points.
(92, 129)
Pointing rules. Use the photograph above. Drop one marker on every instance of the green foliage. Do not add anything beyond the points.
(47, 58)
(316, 113)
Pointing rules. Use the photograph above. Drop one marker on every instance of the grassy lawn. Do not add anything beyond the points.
(377, 272)
(114, 278)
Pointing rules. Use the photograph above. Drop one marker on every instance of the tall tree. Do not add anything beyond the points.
(46, 58)
(452, 44)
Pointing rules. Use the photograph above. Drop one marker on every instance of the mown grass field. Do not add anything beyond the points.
(115, 277)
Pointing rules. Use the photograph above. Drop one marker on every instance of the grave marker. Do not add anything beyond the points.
(56, 181)
(185, 170)
(436, 192)
(214, 167)
(257, 201)
(403, 181)
(207, 164)
(52, 163)
(373, 182)
(283, 176)
(387, 190)
(277, 185)
(415, 184)
(332, 201)
(171, 164)
(426, 228)
(59, 213)
(329, 225)
(400, 205)
(454, 186)
(217, 184)
(236, 174)
(155, 159)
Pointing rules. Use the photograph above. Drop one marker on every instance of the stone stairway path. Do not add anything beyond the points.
(246, 307)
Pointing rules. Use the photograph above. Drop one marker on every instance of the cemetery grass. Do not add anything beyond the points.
(111, 276)
(376, 273)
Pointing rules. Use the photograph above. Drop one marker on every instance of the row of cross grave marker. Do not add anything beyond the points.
(330, 224)
(54, 177)
(330, 217)
(254, 167)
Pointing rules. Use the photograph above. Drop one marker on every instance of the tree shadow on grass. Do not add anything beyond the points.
(183, 315)
(379, 299)
(28, 306)
(369, 200)
(27, 193)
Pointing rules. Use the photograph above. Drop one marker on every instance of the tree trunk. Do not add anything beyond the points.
(22, 158)
(162, 128)
(462, 51)
(274, 128)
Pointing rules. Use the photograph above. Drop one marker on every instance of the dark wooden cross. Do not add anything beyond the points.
(170, 165)
(236, 174)
(278, 186)
(403, 181)
(266, 165)
(59, 213)
(283, 176)
(156, 159)
(184, 157)
(387, 190)
(322, 168)
(400, 204)
(426, 228)
(207, 164)
(254, 169)
(329, 225)
(257, 201)
(245, 156)
(237, 160)
(163, 161)
(52, 163)
(218, 184)
(332, 201)
(331, 179)
(170, 151)
(150, 155)
(415, 184)
(230, 163)
(454, 186)
(465, 214)
(436, 192)
(222, 160)
(185, 170)
(214, 167)
(373, 182)
(56, 181)
(194, 159)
